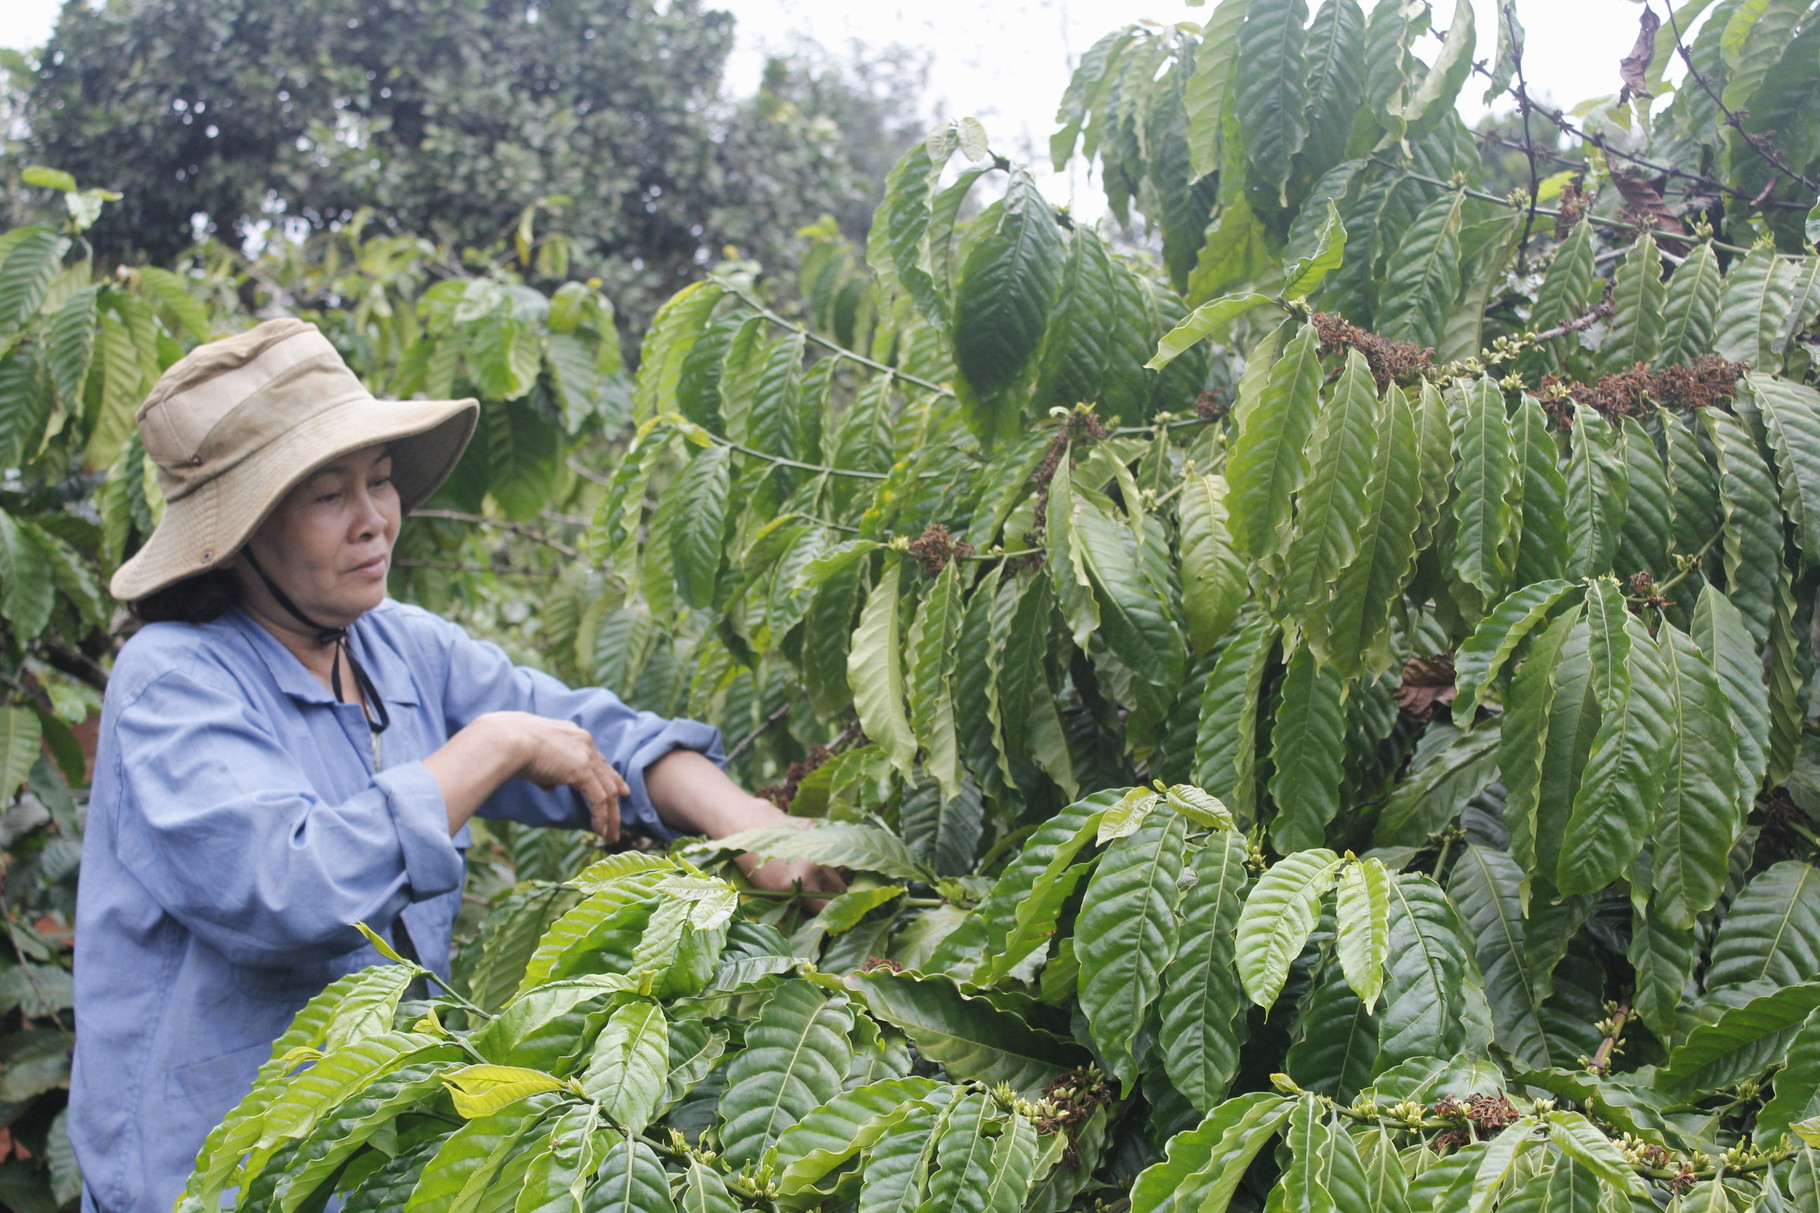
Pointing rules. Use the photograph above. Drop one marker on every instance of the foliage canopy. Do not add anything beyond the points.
(1320, 718)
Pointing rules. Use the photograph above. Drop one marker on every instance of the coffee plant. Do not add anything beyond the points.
(1411, 553)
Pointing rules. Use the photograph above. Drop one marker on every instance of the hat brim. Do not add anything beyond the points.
(202, 529)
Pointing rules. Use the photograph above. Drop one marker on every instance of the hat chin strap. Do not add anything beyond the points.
(378, 717)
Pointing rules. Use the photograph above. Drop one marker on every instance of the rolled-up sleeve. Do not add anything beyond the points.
(223, 829)
(481, 679)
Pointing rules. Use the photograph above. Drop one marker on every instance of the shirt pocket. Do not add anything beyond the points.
(293, 984)
(214, 1084)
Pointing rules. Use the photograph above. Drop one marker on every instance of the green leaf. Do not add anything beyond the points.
(1331, 510)
(1482, 657)
(1484, 482)
(930, 681)
(875, 671)
(1424, 274)
(1209, 322)
(1693, 299)
(631, 1179)
(842, 844)
(970, 1038)
(795, 1059)
(1542, 546)
(1577, 1138)
(1048, 852)
(1614, 808)
(1567, 291)
(1269, 460)
(1270, 91)
(1126, 935)
(1797, 1086)
(703, 1191)
(1545, 737)
(1772, 931)
(1426, 991)
(852, 1123)
(1225, 745)
(1214, 579)
(1003, 294)
(1200, 1001)
(1791, 416)
(26, 270)
(1280, 913)
(27, 588)
(1208, 93)
(1201, 1168)
(1663, 958)
(1136, 622)
(1336, 1039)
(20, 741)
(1441, 86)
(698, 533)
(1754, 304)
(1306, 274)
(631, 1060)
(1751, 539)
(1444, 780)
(1307, 748)
(1199, 807)
(894, 1173)
(1743, 1042)
(674, 331)
(483, 1089)
(509, 937)
(1350, 629)
(1362, 906)
(1702, 806)
(350, 1126)
(1638, 296)
(1487, 886)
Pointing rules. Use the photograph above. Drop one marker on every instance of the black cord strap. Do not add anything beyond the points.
(378, 717)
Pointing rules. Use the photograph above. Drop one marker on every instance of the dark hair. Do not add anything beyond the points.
(195, 599)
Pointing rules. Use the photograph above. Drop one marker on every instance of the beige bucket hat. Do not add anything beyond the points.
(236, 424)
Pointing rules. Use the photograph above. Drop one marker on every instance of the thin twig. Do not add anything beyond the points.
(516, 528)
(1618, 224)
(587, 473)
(835, 347)
(784, 462)
(1574, 325)
(746, 742)
(457, 566)
(1529, 141)
(1758, 143)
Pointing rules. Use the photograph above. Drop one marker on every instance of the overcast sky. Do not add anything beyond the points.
(1007, 61)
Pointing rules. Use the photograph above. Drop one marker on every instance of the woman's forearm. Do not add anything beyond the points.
(694, 796)
(469, 767)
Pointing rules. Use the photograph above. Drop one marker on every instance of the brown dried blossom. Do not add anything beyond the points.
(935, 547)
(1637, 391)
(1389, 360)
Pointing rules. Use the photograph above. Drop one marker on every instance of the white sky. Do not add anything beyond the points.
(1007, 61)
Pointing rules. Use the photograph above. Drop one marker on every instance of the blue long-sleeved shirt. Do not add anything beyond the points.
(237, 827)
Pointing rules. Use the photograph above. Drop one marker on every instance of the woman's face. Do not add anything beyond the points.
(329, 543)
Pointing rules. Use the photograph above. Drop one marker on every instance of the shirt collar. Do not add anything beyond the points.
(386, 668)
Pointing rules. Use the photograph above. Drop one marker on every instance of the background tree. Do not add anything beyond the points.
(452, 119)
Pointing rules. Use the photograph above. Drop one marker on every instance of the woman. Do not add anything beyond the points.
(285, 752)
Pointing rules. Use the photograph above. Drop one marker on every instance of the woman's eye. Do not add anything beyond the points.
(381, 482)
(328, 498)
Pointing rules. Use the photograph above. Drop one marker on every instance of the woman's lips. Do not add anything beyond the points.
(376, 567)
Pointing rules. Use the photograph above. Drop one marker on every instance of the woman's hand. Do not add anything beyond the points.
(785, 875)
(694, 795)
(557, 753)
